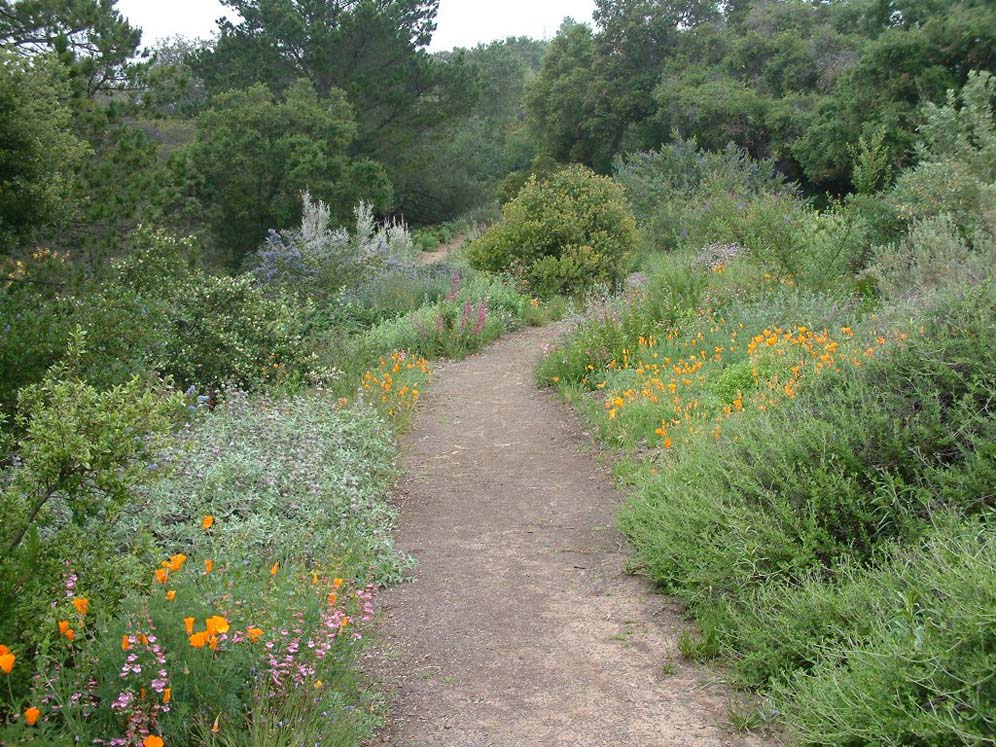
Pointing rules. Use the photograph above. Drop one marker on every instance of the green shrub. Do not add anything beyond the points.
(300, 525)
(224, 329)
(957, 170)
(668, 188)
(909, 656)
(80, 455)
(934, 257)
(827, 476)
(295, 477)
(563, 235)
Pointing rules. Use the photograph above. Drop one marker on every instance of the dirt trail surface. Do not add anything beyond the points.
(444, 251)
(522, 627)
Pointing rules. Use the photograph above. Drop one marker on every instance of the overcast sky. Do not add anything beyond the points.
(462, 23)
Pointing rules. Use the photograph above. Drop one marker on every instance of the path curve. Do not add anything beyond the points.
(522, 628)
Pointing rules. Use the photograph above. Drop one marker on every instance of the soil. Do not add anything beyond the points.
(522, 627)
(440, 254)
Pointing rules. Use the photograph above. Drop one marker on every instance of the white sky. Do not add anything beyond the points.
(461, 23)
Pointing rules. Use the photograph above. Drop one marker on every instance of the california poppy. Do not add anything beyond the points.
(207, 522)
(199, 639)
(82, 604)
(31, 716)
(152, 741)
(208, 566)
(161, 575)
(125, 643)
(188, 623)
(7, 662)
(217, 624)
(274, 569)
(254, 634)
(175, 563)
(170, 595)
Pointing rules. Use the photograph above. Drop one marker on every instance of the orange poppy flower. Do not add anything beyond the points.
(274, 569)
(31, 716)
(63, 626)
(125, 643)
(82, 605)
(338, 583)
(161, 575)
(167, 696)
(170, 595)
(70, 635)
(207, 522)
(188, 623)
(199, 639)
(152, 741)
(333, 598)
(143, 639)
(217, 624)
(255, 634)
(176, 562)
(213, 643)
(208, 566)
(4, 650)
(7, 662)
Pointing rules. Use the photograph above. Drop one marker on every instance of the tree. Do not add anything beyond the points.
(38, 152)
(90, 37)
(906, 65)
(255, 153)
(458, 166)
(595, 90)
(561, 100)
(373, 50)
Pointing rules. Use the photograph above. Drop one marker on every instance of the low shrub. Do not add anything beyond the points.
(77, 460)
(674, 189)
(272, 517)
(563, 235)
(934, 257)
(298, 477)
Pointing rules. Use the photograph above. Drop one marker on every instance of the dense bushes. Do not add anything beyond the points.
(562, 235)
(804, 398)
(263, 487)
(243, 556)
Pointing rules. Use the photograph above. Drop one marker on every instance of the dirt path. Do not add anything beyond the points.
(522, 628)
(444, 251)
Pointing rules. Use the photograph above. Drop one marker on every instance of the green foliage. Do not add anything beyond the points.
(300, 483)
(672, 188)
(541, 168)
(256, 153)
(458, 165)
(564, 235)
(916, 659)
(80, 455)
(38, 151)
(89, 37)
(298, 477)
(225, 330)
(475, 311)
(374, 52)
(933, 257)
(957, 170)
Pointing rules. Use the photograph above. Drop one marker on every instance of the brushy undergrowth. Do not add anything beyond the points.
(806, 463)
(197, 568)
(805, 402)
